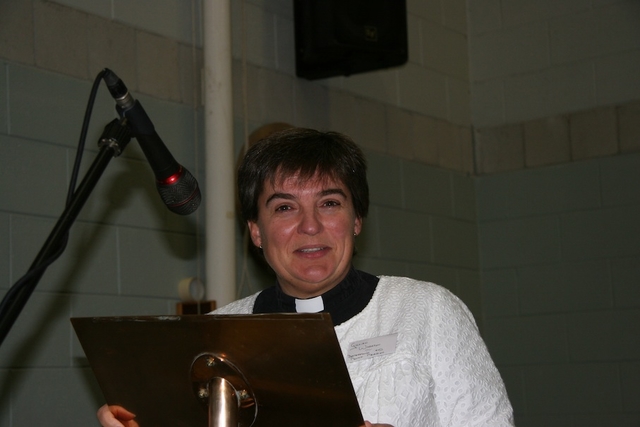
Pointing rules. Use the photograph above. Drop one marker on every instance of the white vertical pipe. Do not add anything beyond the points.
(220, 251)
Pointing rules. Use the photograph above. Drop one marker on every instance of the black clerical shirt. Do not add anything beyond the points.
(343, 301)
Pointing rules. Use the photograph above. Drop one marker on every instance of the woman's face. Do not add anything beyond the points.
(306, 231)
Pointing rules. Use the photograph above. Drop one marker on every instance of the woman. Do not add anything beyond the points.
(304, 195)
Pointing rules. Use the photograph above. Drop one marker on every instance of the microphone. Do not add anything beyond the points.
(177, 187)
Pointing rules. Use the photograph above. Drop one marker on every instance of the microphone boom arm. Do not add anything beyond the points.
(112, 142)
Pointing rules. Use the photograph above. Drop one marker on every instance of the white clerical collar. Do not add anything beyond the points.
(311, 305)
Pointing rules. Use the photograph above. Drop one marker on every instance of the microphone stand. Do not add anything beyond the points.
(113, 141)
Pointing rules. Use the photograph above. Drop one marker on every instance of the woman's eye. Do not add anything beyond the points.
(331, 203)
(283, 208)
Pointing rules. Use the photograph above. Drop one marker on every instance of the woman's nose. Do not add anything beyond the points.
(310, 222)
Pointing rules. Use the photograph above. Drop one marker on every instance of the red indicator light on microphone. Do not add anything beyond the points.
(172, 179)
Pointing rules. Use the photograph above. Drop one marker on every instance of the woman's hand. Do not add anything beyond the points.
(116, 416)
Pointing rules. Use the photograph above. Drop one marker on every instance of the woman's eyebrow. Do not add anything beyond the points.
(285, 196)
(331, 191)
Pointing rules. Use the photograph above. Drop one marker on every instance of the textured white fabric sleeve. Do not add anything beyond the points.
(468, 388)
(242, 306)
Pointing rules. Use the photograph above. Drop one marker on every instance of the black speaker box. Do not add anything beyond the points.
(344, 37)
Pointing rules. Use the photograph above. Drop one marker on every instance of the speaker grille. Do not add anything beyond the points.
(344, 37)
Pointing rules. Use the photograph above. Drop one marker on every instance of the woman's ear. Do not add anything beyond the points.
(357, 228)
(254, 232)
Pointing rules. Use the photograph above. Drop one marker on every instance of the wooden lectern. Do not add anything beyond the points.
(263, 370)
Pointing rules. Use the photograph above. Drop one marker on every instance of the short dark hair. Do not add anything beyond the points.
(305, 152)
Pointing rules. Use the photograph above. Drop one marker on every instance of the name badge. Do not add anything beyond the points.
(372, 347)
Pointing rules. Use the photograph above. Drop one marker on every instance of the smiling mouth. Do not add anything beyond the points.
(310, 250)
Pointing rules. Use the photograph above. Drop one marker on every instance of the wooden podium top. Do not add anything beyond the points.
(289, 367)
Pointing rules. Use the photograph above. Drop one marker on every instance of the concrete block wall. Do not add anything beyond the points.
(600, 132)
(555, 110)
(539, 59)
(79, 40)
(419, 112)
(553, 82)
(126, 253)
(421, 224)
(559, 254)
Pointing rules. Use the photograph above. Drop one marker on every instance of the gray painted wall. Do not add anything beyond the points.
(560, 255)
